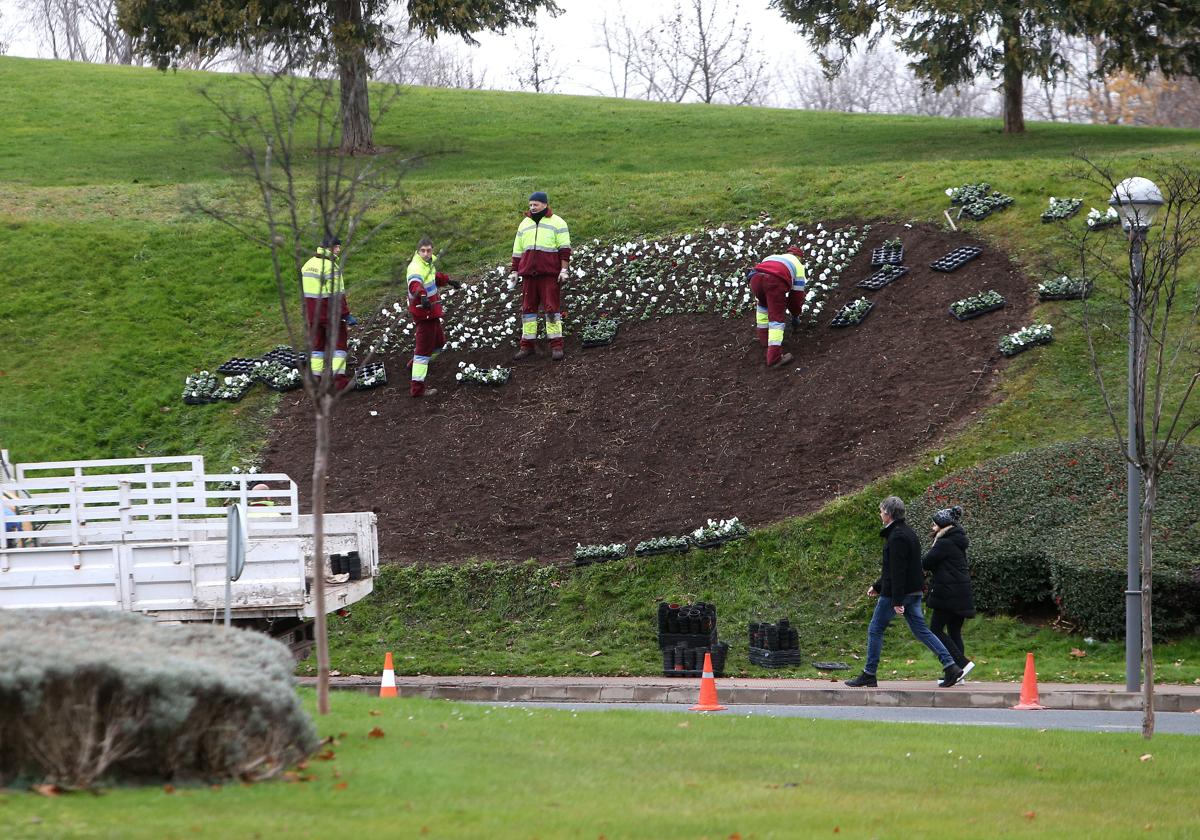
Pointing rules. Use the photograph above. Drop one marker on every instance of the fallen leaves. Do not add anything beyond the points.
(1146, 757)
(1077, 653)
(1029, 815)
(375, 733)
(46, 790)
(374, 713)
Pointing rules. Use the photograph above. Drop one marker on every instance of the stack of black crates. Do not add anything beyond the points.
(350, 563)
(685, 633)
(774, 645)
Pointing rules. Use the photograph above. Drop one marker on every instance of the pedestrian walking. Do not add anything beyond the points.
(326, 310)
(899, 589)
(541, 253)
(950, 595)
(425, 306)
(778, 286)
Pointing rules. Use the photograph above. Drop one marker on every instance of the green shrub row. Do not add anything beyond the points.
(1049, 525)
(90, 696)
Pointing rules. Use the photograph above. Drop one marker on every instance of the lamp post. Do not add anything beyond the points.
(1137, 201)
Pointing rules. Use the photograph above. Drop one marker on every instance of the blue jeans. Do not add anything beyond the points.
(884, 613)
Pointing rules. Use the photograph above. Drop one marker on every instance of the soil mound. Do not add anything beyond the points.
(676, 422)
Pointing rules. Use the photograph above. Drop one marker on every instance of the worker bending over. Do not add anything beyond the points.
(778, 286)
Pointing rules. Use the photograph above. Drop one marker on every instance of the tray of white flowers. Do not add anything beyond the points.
(1064, 288)
(1061, 208)
(852, 314)
(586, 555)
(471, 374)
(601, 332)
(718, 532)
(277, 376)
(233, 388)
(199, 388)
(1026, 337)
(370, 376)
(976, 305)
(663, 545)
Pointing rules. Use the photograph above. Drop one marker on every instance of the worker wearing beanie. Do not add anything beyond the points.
(778, 286)
(425, 306)
(540, 256)
(325, 292)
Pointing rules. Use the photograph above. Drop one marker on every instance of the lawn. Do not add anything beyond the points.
(439, 769)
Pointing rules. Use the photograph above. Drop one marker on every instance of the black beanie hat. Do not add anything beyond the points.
(540, 196)
(948, 516)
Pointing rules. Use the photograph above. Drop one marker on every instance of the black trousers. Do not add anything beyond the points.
(947, 626)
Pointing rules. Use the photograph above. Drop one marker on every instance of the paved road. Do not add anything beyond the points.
(1165, 722)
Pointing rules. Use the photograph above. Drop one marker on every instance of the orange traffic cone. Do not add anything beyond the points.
(708, 690)
(387, 688)
(1029, 691)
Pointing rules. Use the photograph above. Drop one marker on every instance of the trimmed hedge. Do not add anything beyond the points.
(1050, 524)
(95, 695)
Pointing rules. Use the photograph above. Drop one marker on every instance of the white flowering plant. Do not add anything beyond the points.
(852, 313)
(585, 554)
(1097, 220)
(1064, 288)
(663, 545)
(233, 388)
(1026, 337)
(472, 374)
(696, 272)
(200, 388)
(969, 307)
(277, 376)
(715, 531)
(600, 332)
(1061, 208)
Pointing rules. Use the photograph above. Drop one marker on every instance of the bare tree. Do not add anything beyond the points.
(1161, 296)
(298, 196)
(697, 52)
(538, 69)
(866, 83)
(80, 30)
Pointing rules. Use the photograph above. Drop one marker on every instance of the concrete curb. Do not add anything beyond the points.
(794, 692)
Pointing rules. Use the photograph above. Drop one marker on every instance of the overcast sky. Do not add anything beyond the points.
(572, 37)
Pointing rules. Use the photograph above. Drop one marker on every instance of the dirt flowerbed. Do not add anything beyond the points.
(678, 420)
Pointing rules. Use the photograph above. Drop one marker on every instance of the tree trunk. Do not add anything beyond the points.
(1013, 76)
(1150, 488)
(324, 404)
(357, 132)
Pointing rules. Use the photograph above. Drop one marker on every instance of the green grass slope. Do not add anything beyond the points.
(118, 293)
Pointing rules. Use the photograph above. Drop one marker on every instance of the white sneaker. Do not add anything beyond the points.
(966, 670)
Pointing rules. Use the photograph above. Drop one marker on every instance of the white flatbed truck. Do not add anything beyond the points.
(149, 535)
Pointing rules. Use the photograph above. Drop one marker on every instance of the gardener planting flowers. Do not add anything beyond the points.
(778, 286)
(425, 306)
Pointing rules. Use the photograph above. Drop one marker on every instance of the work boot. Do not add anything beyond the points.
(557, 354)
(863, 680)
(428, 392)
(522, 353)
(784, 360)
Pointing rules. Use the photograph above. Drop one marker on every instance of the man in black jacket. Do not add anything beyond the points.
(898, 588)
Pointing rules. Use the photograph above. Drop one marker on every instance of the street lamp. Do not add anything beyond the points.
(1137, 201)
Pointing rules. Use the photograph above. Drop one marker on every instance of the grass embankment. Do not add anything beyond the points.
(440, 769)
(121, 294)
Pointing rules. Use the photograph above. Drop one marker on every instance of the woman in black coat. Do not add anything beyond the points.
(950, 592)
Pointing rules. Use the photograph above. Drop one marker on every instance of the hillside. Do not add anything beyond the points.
(121, 293)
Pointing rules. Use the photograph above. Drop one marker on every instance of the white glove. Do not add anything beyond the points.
(562, 276)
(513, 279)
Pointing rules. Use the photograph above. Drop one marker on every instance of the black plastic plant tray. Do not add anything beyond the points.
(601, 342)
(716, 542)
(975, 313)
(1027, 345)
(653, 552)
(368, 371)
(831, 666)
(708, 640)
(841, 321)
(956, 259)
(283, 388)
(887, 255)
(884, 276)
(774, 658)
(283, 355)
(237, 365)
(694, 674)
(587, 561)
(199, 400)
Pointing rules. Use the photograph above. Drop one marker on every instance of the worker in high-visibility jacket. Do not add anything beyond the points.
(541, 253)
(326, 310)
(425, 306)
(778, 286)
